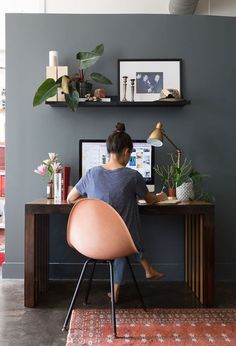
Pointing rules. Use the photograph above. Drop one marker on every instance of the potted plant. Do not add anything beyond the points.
(185, 179)
(167, 173)
(76, 86)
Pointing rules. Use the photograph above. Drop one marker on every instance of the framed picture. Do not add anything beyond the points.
(142, 80)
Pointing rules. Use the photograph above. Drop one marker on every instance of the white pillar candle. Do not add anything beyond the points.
(53, 58)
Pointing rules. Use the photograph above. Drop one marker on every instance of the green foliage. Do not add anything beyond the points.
(167, 174)
(47, 89)
(172, 176)
(88, 59)
(50, 87)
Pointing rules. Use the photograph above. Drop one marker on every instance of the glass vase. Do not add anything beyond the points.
(50, 190)
(57, 187)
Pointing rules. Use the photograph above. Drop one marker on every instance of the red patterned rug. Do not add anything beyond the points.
(166, 327)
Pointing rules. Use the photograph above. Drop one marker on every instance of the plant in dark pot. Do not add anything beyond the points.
(86, 60)
(76, 86)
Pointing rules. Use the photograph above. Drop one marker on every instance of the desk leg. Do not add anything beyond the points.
(36, 257)
(199, 256)
(209, 260)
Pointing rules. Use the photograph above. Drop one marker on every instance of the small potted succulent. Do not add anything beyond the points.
(76, 86)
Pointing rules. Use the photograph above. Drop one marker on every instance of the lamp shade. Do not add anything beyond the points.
(155, 138)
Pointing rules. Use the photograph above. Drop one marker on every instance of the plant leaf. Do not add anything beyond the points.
(99, 78)
(72, 99)
(87, 59)
(99, 49)
(64, 84)
(47, 89)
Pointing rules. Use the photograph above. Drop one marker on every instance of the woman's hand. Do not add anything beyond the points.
(162, 196)
(150, 198)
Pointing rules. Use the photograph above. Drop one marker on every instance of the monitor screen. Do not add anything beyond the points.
(94, 153)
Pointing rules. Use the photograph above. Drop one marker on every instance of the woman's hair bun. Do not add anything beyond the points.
(120, 127)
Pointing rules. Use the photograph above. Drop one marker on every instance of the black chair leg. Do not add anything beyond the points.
(136, 285)
(112, 298)
(75, 295)
(89, 283)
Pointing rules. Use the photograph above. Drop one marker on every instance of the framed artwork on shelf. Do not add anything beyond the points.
(141, 80)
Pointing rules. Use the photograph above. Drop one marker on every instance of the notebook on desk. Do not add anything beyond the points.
(170, 201)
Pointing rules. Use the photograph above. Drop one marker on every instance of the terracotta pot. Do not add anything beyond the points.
(171, 192)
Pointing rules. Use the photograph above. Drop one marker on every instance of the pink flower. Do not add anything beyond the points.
(56, 167)
(41, 170)
(52, 156)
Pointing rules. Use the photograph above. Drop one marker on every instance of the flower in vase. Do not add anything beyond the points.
(41, 170)
(49, 166)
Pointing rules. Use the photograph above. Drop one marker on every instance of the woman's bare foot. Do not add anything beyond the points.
(116, 292)
(150, 271)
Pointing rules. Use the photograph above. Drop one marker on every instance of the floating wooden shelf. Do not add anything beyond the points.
(116, 103)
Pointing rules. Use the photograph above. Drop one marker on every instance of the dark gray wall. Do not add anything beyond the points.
(204, 129)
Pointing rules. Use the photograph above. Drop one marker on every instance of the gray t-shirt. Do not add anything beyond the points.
(120, 188)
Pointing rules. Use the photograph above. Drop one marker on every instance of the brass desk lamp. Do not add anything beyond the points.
(155, 138)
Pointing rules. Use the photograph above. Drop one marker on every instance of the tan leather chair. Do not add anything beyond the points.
(97, 231)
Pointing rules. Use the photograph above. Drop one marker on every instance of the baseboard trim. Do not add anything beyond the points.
(174, 271)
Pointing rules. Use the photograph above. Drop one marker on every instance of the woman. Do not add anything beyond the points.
(120, 186)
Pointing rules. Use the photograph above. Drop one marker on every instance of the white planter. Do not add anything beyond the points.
(185, 192)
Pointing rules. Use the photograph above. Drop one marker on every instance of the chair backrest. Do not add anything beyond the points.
(97, 231)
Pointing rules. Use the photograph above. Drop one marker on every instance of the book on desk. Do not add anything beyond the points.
(168, 201)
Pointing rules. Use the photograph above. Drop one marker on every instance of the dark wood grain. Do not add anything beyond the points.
(199, 245)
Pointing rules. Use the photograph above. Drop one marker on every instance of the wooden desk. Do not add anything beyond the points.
(199, 245)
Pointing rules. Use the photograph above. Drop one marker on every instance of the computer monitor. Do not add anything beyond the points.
(94, 153)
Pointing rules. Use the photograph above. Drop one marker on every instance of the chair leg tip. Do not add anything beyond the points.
(64, 329)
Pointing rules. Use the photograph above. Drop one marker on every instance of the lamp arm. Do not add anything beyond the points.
(176, 148)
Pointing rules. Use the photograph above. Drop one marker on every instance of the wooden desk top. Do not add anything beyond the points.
(49, 206)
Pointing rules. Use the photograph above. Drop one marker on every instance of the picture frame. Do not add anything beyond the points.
(141, 80)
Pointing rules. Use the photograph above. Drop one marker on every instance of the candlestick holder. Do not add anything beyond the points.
(132, 80)
(125, 78)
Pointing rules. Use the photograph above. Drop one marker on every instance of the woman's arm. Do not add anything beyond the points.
(150, 198)
(73, 196)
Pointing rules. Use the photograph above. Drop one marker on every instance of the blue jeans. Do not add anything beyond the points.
(120, 266)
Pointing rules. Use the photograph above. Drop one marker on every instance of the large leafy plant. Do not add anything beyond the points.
(69, 85)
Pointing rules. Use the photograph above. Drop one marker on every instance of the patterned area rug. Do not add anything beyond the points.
(166, 327)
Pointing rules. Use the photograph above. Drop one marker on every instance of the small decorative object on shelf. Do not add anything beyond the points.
(99, 93)
(75, 87)
(124, 88)
(49, 167)
(132, 81)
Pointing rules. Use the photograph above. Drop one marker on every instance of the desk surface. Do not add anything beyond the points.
(49, 206)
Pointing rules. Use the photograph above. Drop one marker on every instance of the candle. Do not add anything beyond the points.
(53, 58)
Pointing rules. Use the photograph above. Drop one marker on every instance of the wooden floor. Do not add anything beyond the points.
(20, 326)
